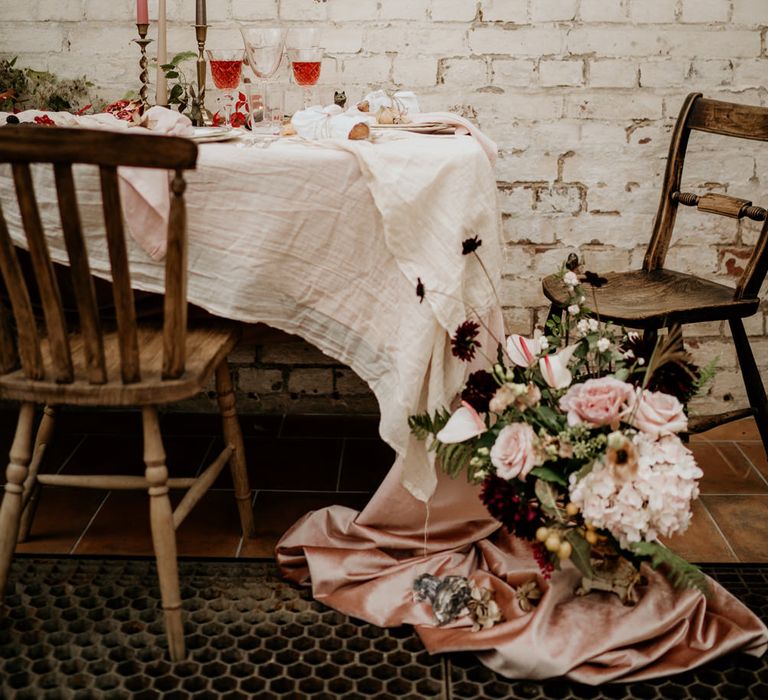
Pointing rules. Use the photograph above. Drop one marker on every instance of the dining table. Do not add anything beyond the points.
(357, 247)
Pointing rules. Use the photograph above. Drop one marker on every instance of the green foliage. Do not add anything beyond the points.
(454, 457)
(424, 425)
(581, 553)
(680, 572)
(181, 91)
(25, 88)
(549, 474)
(706, 375)
(547, 496)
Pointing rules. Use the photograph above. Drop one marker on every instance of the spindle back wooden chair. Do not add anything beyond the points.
(655, 297)
(106, 363)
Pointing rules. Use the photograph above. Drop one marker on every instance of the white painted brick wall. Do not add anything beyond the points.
(579, 94)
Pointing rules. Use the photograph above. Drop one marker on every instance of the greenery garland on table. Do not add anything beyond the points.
(25, 88)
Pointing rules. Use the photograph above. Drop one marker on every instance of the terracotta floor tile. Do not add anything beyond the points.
(121, 526)
(744, 429)
(275, 512)
(365, 464)
(288, 464)
(123, 454)
(58, 452)
(359, 426)
(210, 424)
(756, 454)
(702, 542)
(211, 530)
(99, 421)
(743, 521)
(61, 517)
(726, 469)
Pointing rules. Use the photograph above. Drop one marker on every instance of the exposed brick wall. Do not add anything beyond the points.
(580, 95)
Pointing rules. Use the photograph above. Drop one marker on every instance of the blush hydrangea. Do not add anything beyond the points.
(655, 502)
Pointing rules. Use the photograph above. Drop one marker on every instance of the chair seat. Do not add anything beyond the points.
(641, 299)
(207, 347)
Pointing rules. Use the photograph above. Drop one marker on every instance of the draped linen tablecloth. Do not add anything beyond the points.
(327, 241)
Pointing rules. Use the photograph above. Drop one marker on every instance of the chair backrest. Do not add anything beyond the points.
(20, 342)
(724, 119)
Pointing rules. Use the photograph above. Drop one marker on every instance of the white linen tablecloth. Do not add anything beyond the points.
(326, 240)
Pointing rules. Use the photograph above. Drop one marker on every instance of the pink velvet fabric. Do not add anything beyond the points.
(364, 563)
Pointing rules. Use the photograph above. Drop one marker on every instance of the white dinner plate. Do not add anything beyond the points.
(208, 134)
(425, 128)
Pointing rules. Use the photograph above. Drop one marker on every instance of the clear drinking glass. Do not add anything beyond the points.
(264, 52)
(226, 70)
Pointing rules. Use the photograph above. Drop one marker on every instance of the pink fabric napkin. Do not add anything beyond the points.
(146, 201)
(463, 126)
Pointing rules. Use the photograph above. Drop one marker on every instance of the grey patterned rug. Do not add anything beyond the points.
(92, 628)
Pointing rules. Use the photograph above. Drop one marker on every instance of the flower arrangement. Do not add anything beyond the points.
(574, 436)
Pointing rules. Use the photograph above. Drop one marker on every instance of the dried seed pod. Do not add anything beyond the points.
(386, 115)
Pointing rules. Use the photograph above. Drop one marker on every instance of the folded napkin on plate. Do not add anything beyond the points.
(144, 191)
(463, 126)
(329, 123)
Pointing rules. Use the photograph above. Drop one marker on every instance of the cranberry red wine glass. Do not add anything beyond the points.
(226, 71)
(305, 64)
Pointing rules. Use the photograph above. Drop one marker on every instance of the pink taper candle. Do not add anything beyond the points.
(161, 96)
(142, 13)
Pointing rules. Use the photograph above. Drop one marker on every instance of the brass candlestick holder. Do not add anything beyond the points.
(199, 114)
(143, 42)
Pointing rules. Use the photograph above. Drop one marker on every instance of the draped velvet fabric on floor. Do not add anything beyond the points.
(364, 563)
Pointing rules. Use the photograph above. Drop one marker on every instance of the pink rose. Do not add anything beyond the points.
(655, 414)
(513, 454)
(602, 401)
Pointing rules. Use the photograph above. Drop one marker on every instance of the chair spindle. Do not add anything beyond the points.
(82, 282)
(121, 280)
(50, 297)
(175, 305)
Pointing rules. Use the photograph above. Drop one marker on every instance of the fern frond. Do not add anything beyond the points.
(424, 425)
(454, 457)
(681, 573)
(706, 375)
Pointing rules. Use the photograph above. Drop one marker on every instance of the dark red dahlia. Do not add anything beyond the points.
(481, 386)
(470, 245)
(512, 505)
(464, 341)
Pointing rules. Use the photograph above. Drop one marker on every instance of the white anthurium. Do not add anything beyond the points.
(524, 351)
(464, 424)
(554, 368)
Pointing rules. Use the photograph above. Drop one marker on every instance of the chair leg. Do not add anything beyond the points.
(163, 533)
(31, 496)
(233, 436)
(16, 473)
(752, 379)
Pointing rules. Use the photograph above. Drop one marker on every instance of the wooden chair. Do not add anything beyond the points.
(655, 297)
(125, 363)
